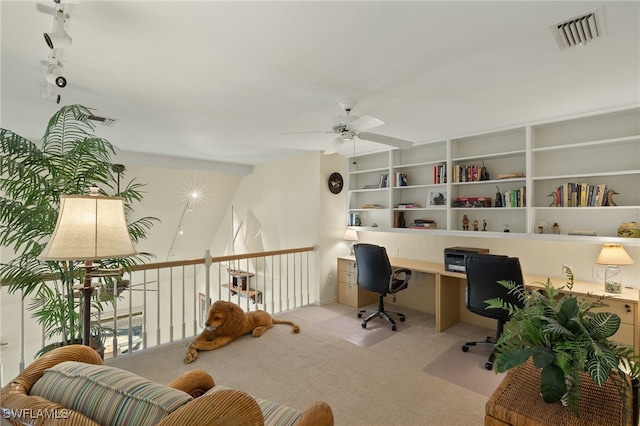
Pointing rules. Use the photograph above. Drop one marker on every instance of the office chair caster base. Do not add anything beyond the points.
(393, 328)
(465, 348)
(364, 324)
(360, 315)
(488, 366)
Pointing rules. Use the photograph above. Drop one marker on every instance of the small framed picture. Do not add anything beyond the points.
(437, 197)
(203, 309)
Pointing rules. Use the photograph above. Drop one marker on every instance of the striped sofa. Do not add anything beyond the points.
(70, 386)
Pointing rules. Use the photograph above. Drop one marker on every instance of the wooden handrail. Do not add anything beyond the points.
(201, 260)
(218, 259)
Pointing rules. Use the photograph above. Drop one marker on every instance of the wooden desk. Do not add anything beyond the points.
(350, 294)
(451, 309)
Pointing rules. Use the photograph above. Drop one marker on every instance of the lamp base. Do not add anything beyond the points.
(613, 279)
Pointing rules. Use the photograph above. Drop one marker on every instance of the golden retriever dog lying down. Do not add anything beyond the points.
(226, 321)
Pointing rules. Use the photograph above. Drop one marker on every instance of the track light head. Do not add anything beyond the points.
(51, 97)
(58, 40)
(48, 95)
(58, 80)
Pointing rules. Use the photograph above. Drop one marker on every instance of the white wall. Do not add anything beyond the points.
(167, 193)
(332, 227)
(282, 198)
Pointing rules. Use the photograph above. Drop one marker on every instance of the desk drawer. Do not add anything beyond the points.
(627, 313)
(354, 296)
(346, 265)
(347, 277)
(625, 310)
(624, 335)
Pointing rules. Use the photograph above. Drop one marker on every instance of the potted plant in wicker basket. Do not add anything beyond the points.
(564, 336)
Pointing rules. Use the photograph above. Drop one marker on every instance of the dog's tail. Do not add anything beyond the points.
(296, 329)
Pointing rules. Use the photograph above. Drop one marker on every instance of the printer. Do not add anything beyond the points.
(454, 257)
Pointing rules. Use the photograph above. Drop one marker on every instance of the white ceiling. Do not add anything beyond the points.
(221, 81)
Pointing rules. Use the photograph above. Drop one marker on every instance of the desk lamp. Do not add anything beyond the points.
(90, 227)
(351, 235)
(613, 255)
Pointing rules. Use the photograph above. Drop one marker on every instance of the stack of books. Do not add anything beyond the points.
(423, 224)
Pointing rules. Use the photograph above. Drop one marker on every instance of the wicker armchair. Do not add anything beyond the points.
(222, 407)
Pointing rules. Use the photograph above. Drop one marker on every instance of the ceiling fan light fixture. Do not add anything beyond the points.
(347, 136)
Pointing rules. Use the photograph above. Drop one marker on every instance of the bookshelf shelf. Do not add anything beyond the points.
(603, 148)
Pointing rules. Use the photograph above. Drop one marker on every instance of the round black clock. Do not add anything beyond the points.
(335, 183)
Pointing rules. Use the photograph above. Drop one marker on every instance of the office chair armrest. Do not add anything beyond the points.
(399, 280)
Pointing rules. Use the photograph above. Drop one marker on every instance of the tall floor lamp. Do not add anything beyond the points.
(90, 227)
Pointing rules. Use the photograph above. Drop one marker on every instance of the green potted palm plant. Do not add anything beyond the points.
(69, 159)
(563, 336)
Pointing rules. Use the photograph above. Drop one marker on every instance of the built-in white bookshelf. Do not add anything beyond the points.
(529, 168)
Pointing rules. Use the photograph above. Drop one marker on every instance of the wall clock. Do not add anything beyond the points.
(335, 183)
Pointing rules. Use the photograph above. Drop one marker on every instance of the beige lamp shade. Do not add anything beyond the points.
(89, 228)
(350, 235)
(613, 254)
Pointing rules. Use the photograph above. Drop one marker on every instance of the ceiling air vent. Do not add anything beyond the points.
(105, 121)
(580, 30)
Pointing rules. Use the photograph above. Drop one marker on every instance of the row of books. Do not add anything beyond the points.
(471, 173)
(384, 181)
(514, 198)
(440, 174)
(406, 205)
(397, 179)
(354, 219)
(580, 195)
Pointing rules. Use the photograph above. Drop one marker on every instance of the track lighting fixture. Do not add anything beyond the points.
(48, 95)
(58, 38)
(56, 79)
(51, 97)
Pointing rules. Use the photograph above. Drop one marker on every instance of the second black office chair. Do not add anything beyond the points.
(376, 274)
(483, 273)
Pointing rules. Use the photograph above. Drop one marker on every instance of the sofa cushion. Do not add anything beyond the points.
(108, 395)
(274, 414)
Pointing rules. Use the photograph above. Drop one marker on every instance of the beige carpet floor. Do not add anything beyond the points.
(466, 369)
(386, 381)
(376, 331)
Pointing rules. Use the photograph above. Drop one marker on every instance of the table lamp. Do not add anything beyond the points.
(351, 235)
(613, 255)
(90, 227)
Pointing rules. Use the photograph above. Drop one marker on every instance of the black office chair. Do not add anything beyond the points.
(376, 274)
(483, 273)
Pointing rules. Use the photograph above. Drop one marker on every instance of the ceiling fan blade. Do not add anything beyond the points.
(387, 140)
(304, 133)
(364, 123)
(333, 148)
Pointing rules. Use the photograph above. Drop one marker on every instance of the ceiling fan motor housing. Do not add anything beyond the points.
(341, 124)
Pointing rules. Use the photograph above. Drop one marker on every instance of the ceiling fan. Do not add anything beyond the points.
(348, 127)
